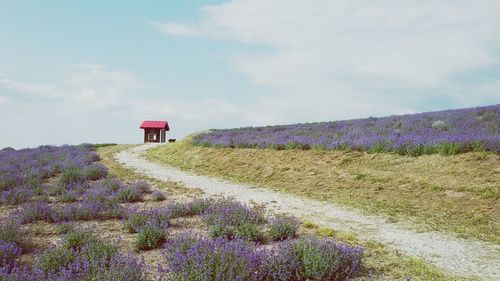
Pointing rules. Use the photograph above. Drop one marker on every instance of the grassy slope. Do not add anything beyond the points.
(378, 258)
(458, 193)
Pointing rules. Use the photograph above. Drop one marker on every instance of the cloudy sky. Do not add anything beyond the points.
(91, 71)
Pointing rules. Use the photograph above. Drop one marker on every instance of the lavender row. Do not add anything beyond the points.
(308, 258)
(446, 132)
(25, 173)
(80, 256)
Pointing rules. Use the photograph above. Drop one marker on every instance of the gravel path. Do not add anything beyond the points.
(451, 254)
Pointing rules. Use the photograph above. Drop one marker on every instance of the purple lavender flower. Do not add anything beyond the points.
(9, 252)
(283, 227)
(211, 259)
(446, 132)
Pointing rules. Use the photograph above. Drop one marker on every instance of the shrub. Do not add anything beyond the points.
(380, 147)
(195, 207)
(8, 181)
(250, 231)
(77, 238)
(158, 196)
(141, 185)
(111, 184)
(199, 205)
(95, 171)
(67, 197)
(181, 244)
(150, 236)
(283, 227)
(35, 211)
(120, 268)
(231, 219)
(56, 189)
(98, 250)
(280, 263)
(323, 259)
(9, 253)
(86, 210)
(135, 221)
(211, 259)
(128, 194)
(98, 194)
(64, 228)
(448, 148)
(53, 259)
(11, 233)
(16, 196)
(222, 231)
(228, 211)
(70, 175)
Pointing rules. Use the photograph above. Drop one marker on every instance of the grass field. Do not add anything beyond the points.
(458, 194)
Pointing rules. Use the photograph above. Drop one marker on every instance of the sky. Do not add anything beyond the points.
(91, 71)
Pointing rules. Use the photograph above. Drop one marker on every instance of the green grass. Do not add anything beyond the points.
(457, 193)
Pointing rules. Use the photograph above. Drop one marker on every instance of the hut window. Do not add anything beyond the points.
(152, 136)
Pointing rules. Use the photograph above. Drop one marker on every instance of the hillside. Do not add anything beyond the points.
(445, 132)
(456, 194)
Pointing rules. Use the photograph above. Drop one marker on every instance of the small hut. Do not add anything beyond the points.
(155, 131)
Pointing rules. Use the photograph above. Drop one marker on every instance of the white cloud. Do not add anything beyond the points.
(37, 90)
(97, 104)
(177, 29)
(338, 59)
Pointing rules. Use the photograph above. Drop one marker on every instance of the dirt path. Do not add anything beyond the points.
(458, 256)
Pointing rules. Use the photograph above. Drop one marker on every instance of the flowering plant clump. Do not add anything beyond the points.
(80, 256)
(232, 219)
(283, 227)
(324, 259)
(150, 236)
(10, 232)
(191, 208)
(141, 185)
(445, 132)
(22, 172)
(231, 212)
(158, 196)
(117, 268)
(136, 220)
(194, 258)
(9, 253)
(211, 259)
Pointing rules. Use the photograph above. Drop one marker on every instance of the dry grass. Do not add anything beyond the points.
(390, 263)
(458, 194)
(117, 170)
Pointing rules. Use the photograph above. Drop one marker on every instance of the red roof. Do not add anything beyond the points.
(155, 125)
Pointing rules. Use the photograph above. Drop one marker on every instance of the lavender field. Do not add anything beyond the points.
(445, 132)
(51, 194)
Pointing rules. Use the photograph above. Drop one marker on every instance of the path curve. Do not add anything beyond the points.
(451, 254)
